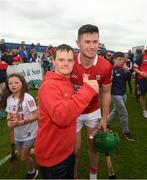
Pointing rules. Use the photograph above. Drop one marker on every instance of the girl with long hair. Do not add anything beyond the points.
(22, 116)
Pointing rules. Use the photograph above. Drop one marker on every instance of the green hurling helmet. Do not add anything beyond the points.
(106, 142)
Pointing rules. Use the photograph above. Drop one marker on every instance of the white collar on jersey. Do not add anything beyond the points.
(94, 62)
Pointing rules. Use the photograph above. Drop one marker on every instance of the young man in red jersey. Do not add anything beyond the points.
(140, 67)
(89, 64)
(59, 107)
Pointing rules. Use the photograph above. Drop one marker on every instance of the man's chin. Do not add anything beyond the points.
(66, 73)
(91, 57)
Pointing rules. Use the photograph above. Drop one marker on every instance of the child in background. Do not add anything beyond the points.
(22, 115)
(118, 92)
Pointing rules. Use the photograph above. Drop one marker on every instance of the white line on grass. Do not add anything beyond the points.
(2, 161)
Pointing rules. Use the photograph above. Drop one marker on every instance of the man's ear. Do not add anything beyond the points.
(78, 43)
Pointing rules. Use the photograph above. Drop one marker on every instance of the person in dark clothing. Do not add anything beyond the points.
(129, 71)
(138, 55)
(7, 57)
(131, 56)
(2, 46)
(118, 92)
(3, 77)
(32, 55)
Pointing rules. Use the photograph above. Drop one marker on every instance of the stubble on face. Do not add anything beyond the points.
(88, 44)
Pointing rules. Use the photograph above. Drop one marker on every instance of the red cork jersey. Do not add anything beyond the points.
(101, 70)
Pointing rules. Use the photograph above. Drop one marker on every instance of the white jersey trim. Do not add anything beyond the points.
(94, 62)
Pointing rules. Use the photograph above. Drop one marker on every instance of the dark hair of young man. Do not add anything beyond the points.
(118, 54)
(63, 47)
(88, 28)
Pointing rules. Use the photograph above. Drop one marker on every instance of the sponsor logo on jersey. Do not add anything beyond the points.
(74, 76)
(86, 75)
(98, 77)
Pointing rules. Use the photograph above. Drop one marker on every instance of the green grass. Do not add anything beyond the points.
(129, 162)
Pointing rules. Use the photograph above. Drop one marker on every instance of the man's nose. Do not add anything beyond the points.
(66, 62)
(92, 45)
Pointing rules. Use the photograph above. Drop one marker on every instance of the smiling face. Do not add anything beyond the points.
(88, 44)
(64, 62)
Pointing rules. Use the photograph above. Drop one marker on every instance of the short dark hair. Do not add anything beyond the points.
(63, 47)
(88, 28)
(118, 54)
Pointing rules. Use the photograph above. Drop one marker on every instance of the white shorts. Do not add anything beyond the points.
(90, 120)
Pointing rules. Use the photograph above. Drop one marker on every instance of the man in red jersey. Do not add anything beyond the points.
(89, 64)
(140, 67)
(59, 107)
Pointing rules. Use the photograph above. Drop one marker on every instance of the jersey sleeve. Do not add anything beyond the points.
(31, 103)
(108, 75)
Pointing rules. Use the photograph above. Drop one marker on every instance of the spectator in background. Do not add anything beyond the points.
(118, 92)
(140, 67)
(7, 57)
(46, 62)
(137, 91)
(51, 51)
(32, 55)
(2, 46)
(3, 77)
(47, 59)
(24, 54)
(109, 57)
(131, 56)
(16, 58)
(129, 71)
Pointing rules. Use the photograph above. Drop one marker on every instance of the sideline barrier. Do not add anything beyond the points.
(30, 71)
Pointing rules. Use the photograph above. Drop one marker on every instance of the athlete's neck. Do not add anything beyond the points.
(86, 61)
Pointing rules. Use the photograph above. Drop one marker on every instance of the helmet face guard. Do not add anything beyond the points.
(106, 142)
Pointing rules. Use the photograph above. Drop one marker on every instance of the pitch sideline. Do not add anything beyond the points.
(2, 161)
